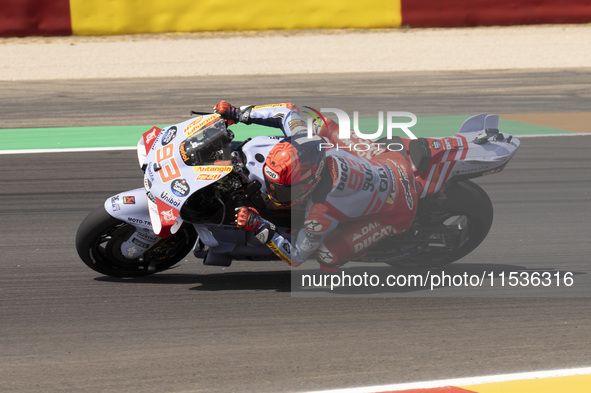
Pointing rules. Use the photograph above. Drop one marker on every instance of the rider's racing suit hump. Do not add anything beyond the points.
(362, 187)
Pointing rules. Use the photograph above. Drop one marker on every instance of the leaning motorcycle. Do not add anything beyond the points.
(195, 174)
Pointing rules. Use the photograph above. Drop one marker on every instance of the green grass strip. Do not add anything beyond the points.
(128, 136)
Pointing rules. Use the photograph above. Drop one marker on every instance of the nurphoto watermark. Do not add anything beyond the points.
(394, 121)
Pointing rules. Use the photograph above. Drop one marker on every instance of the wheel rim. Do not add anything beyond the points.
(106, 251)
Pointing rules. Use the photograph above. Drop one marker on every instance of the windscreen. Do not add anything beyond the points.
(206, 142)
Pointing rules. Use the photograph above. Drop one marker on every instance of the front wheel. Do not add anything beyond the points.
(99, 239)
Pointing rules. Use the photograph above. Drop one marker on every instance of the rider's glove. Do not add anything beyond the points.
(248, 218)
(229, 113)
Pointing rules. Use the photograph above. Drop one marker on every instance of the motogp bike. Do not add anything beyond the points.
(195, 174)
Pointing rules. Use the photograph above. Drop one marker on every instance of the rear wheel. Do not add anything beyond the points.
(463, 205)
(99, 239)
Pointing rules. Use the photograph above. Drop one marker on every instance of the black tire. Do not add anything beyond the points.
(460, 198)
(98, 243)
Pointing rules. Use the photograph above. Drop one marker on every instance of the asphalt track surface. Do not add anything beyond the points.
(208, 329)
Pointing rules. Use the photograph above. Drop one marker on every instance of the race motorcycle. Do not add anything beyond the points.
(195, 175)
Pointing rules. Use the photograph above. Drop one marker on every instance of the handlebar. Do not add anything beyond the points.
(199, 113)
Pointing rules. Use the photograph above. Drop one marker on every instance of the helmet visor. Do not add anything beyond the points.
(279, 193)
(284, 194)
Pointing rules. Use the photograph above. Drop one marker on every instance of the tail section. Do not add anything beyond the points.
(477, 149)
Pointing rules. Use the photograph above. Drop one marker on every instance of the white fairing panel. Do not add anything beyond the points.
(169, 180)
(256, 151)
(130, 207)
(487, 156)
(472, 152)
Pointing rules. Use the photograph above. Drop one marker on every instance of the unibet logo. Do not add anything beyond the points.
(166, 198)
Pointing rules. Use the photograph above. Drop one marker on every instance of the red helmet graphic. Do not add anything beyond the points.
(292, 169)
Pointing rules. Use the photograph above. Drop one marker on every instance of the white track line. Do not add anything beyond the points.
(464, 381)
(72, 150)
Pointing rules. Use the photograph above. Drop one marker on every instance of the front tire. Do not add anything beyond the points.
(99, 238)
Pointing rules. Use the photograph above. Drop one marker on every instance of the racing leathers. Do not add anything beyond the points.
(363, 196)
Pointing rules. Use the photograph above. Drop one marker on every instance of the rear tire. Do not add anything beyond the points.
(460, 198)
(99, 238)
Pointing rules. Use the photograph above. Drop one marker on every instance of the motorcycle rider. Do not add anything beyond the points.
(366, 199)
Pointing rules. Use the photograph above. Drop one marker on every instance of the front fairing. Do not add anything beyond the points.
(168, 179)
